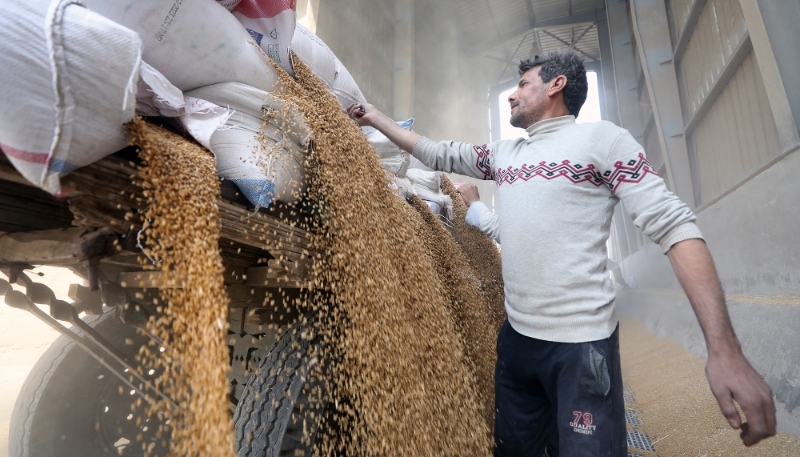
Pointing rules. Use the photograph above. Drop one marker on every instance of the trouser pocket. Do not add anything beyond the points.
(596, 379)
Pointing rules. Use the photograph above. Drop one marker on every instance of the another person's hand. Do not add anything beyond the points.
(469, 193)
(732, 377)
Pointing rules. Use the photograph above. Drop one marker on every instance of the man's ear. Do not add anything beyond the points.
(557, 85)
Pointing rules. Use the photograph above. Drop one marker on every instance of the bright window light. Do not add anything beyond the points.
(507, 132)
(590, 112)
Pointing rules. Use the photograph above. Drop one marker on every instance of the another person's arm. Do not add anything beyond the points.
(448, 156)
(730, 375)
(478, 214)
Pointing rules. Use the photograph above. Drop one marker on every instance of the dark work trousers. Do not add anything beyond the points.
(561, 398)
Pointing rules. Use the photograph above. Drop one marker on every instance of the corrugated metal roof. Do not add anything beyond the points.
(502, 30)
(512, 15)
(496, 62)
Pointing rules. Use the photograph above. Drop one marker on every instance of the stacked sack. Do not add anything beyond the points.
(393, 159)
(264, 159)
(271, 24)
(58, 112)
(409, 176)
(427, 185)
(193, 44)
(324, 63)
(83, 72)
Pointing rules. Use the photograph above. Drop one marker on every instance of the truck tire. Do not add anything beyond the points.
(72, 406)
(271, 416)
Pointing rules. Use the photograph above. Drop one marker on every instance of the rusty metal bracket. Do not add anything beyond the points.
(91, 341)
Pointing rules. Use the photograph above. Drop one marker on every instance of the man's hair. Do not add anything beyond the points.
(562, 62)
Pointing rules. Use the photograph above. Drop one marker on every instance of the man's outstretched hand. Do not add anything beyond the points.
(364, 114)
(731, 378)
(367, 115)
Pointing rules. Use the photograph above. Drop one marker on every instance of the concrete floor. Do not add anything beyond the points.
(668, 396)
(23, 339)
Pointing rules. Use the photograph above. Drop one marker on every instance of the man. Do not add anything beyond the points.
(558, 386)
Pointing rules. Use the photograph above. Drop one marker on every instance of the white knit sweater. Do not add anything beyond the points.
(555, 198)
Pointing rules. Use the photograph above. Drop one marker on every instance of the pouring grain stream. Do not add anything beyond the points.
(397, 371)
(181, 232)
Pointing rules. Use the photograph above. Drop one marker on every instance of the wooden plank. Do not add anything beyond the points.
(55, 247)
(100, 195)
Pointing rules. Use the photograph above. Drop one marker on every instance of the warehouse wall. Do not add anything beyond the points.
(407, 59)
(451, 100)
(361, 34)
(448, 97)
(727, 145)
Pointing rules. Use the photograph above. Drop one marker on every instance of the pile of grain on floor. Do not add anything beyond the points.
(678, 410)
(400, 376)
(182, 227)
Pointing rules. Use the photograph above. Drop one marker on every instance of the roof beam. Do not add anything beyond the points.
(531, 15)
(648, 18)
(589, 56)
(544, 24)
(575, 41)
(500, 78)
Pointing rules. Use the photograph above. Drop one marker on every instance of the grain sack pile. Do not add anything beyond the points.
(57, 115)
(405, 307)
(408, 321)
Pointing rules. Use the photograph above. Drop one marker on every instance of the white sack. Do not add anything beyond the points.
(430, 180)
(68, 84)
(392, 158)
(271, 23)
(202, 118)
(156, 95)
(344, 87)
(314, 53)
(192, 43)
(322, 61)
(262, 171)
(427, 185)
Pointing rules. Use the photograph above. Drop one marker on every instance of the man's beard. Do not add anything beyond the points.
(535, 113)
(526, 119)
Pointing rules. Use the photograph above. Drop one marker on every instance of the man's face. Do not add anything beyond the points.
(529, 101)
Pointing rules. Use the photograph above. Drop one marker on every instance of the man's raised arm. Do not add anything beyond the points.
(368, 115)
(730, 375)
(448, 156)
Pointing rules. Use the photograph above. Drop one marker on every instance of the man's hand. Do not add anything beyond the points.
(469, 193)
(367, 115)
(729, 374)
(731, 377)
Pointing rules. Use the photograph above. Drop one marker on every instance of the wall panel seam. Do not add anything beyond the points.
(726, 75)
(767, 165)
